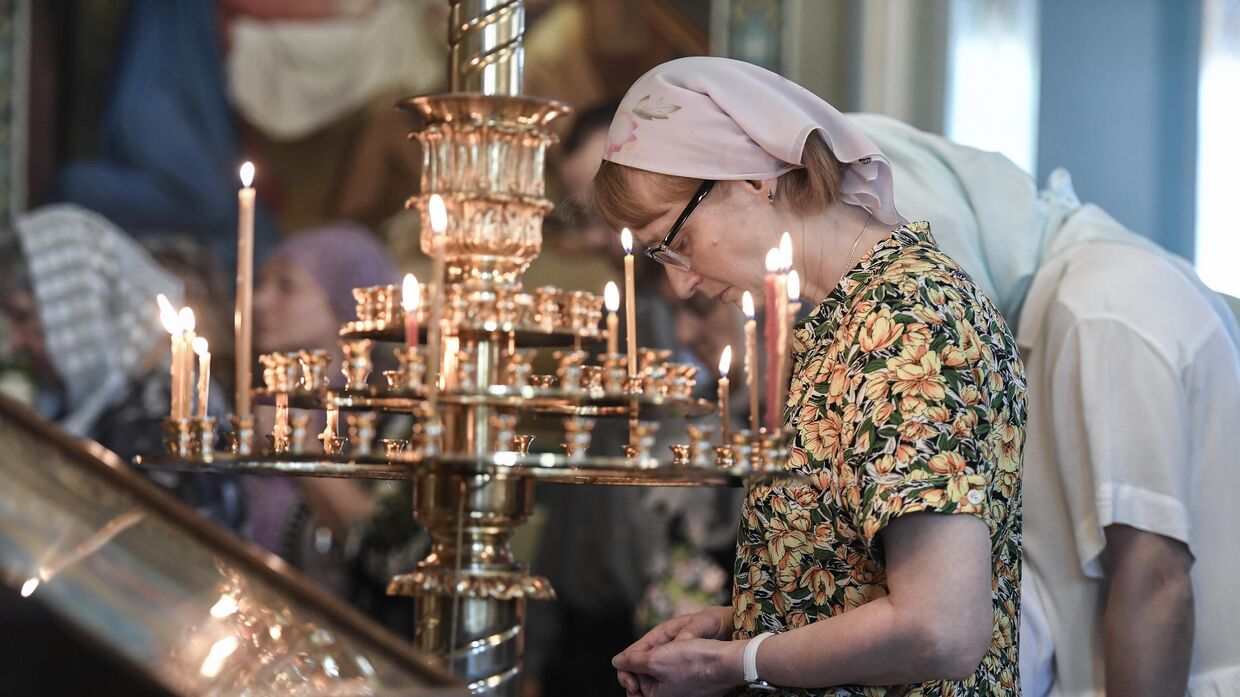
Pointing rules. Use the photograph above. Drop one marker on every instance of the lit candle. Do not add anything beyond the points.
(204, 374)
(410, 301)
(725, 365)
(172, 324)
(794, 295)
(769, 285)
(187, 362)
(630, 310)
(611, 299)
(782, 330)
(751, 359)
(434, 340)
(243, 315)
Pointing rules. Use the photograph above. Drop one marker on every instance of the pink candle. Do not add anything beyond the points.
(410, 301)
(611, 299)
(751, 359)
(204, 375)
(725, 365)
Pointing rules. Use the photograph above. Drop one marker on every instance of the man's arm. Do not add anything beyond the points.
(1149, 614)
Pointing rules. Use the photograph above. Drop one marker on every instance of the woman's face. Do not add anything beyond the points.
(725, 239)
(291, 311)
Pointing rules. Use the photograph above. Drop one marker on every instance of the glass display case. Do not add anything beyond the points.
(164, 591)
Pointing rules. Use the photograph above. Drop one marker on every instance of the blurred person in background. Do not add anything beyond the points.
(79, 296)
(168, 147)
(304, 295)
(1131, 489)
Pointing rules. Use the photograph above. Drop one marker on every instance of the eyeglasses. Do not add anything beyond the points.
(663, 253)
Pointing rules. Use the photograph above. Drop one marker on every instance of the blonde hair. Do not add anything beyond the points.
(809, 189)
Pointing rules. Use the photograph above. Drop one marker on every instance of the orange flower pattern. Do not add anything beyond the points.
(907, 395)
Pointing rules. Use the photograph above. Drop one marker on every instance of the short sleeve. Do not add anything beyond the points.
(942, 420)
(1120, 425)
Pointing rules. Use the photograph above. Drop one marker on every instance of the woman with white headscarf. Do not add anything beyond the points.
(80, 299)
(1131, 487)
(893, 566)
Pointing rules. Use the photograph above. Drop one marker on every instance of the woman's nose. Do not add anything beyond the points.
(683, 282)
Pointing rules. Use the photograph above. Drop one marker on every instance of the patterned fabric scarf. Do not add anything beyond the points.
(94, 290)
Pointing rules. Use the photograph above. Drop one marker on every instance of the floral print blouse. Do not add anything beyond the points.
(907, 395)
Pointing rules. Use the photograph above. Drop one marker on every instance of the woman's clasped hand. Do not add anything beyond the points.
(687, 656)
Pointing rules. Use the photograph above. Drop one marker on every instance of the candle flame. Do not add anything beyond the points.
(725, 361)
(220, 651)
(785, 251)
(186, 318)
(29, 587)
(247, 174)
(410, 293)
(626, 241)
(168, 315)
(200, 346)
(438, 213)
(747, 304)
(611, 296)
(772, 260)
(794, 286)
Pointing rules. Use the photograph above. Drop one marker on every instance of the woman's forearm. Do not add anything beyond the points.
(875, 644)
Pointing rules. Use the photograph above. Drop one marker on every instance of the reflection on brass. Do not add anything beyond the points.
(521, 444)
(701, 444)
(542, 382)
(725, 456)
(314, 365)
(492, 585)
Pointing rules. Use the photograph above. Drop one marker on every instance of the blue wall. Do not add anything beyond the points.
(1119, 109)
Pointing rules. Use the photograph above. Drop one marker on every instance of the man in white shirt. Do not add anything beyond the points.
(1132, 498)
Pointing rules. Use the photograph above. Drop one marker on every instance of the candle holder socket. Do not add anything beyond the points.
(357, 362)
(681, 454)
(571, 370)
(179, 437)
(521, 444)
(205, 437)
(361, 427)
(314, 365)
(725, 456)
(393, 447)
(504, 427)
(299, 424)
(701, 443)
(577, 436)
(518, 367)
(333, 445)
(241, 438)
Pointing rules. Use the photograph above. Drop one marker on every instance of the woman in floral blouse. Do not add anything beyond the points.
(907, 402)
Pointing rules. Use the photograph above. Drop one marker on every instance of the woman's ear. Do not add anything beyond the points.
(761, 187)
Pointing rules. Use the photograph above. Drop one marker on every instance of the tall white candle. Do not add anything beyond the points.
(434, 339)
(725, 365)
(611, 300)
(204, 375)
(186, 317)
(751, 359)
(172, 324)
(243, 315)
(410, 302)
(630, 308)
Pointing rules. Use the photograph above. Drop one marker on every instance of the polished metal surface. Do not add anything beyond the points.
(167, 592)
(487, 50)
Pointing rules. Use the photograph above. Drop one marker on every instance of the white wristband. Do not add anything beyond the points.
(749, 660)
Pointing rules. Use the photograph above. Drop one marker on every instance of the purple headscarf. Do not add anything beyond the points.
(341, 256)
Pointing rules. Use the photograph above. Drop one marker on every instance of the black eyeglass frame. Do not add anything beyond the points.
(663, 252)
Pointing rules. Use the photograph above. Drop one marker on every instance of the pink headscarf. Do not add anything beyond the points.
(717, 118)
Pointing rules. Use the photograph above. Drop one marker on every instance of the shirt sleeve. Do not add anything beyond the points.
(1120, 424)
(942, 422)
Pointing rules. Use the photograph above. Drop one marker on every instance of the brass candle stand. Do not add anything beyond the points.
(471, 467)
